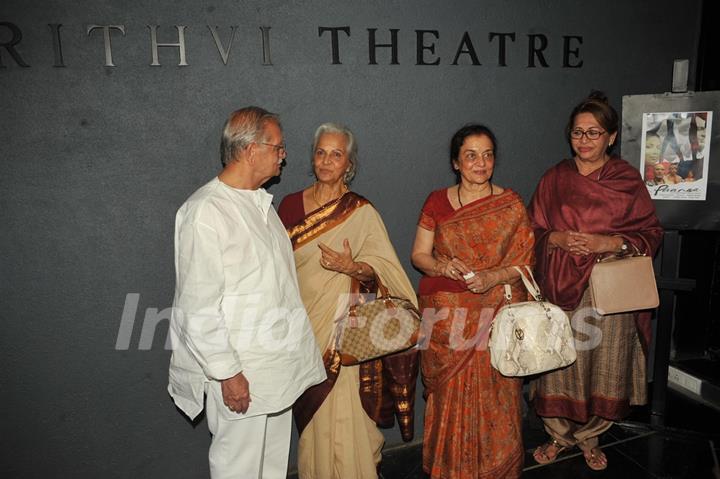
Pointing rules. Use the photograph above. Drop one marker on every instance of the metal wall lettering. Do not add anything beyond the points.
(466, 48)
(224, 53)
(334, 41)
(10, 44)
(422, 47)
(567, 51)
(155, 45)
(57, 44)
(501, 45)
(266, 45)
(373, 46)
(107, 39)
(426, 51)
(465, 53)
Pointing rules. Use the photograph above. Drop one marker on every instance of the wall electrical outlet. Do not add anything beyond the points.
(684, 380)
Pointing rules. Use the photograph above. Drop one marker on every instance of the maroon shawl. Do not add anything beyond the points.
(612, 200)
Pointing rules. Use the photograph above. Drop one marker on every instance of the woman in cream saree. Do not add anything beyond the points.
(338, 419)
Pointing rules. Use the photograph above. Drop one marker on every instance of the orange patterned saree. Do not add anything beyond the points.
(473, 413)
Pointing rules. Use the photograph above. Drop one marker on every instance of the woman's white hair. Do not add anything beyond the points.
(351, 146)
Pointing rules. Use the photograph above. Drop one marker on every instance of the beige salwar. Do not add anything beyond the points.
(579, 402)
(570, 433)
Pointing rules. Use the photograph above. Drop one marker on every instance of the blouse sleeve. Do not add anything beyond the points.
(428, 213)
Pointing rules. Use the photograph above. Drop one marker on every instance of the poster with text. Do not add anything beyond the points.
(674, 154)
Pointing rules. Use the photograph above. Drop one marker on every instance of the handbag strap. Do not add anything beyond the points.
(359, 298)
(529, 282)
(612, 256)
(382, 289)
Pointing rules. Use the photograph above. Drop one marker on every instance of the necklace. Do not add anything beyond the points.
(343, 189)
(458, 194)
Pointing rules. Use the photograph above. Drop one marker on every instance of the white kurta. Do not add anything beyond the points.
(237, 306)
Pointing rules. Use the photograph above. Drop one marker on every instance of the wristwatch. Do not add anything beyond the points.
(624, 248)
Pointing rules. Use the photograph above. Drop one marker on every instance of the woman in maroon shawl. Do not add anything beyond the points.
(586, 207)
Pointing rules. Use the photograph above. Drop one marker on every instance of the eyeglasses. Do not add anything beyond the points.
(279, 149)
(578, 133)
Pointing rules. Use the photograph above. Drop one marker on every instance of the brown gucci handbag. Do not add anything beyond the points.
(376, 328)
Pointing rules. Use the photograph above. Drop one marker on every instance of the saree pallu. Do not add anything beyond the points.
(473, 413)
(337, 419)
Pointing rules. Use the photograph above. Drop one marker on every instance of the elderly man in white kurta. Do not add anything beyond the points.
(240, 333)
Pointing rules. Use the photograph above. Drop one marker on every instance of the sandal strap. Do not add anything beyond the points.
(599, 459)
(543, 449)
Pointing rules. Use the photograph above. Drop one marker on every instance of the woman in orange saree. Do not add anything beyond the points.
(468, 239)
(339, 239)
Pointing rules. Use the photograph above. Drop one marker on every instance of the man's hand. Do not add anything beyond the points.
(236, 393)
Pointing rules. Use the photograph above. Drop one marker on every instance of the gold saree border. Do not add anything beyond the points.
(324, 219)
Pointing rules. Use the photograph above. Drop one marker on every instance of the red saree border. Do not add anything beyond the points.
(325, 218)
(561, 406)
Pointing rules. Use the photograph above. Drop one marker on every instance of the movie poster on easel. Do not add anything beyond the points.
(674, 154)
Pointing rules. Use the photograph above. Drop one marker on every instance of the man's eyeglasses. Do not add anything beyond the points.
(578, 133)
(279, 149)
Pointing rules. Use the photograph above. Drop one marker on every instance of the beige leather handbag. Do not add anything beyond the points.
(623, 284)
(530, 337)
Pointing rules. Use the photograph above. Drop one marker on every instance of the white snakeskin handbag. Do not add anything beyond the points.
(530, 337)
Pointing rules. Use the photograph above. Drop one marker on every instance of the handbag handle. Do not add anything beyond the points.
(384, 293)
(529, 282)
(611, 256)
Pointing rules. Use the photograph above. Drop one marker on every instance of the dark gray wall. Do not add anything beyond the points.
(96, 160)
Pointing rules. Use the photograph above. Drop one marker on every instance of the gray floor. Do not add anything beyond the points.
(686, 448)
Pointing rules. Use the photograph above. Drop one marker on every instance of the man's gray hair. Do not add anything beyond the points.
(351, 146)
(244, 126)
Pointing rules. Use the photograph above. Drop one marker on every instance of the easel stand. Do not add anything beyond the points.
(669, 284)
